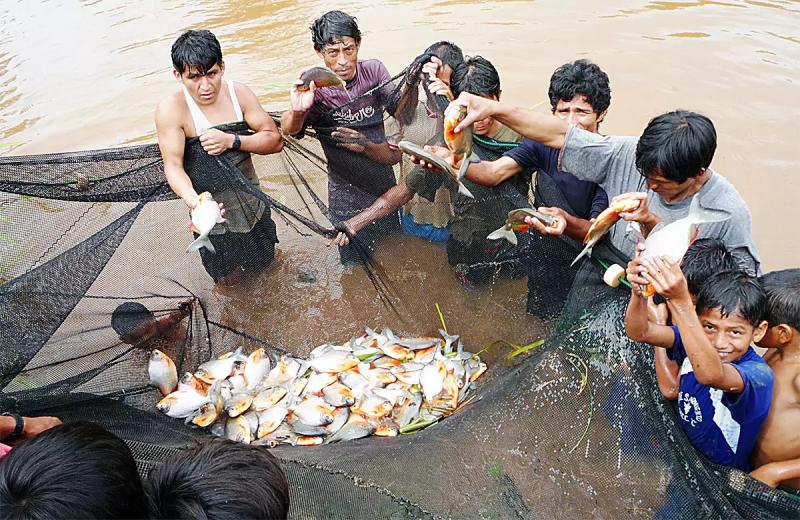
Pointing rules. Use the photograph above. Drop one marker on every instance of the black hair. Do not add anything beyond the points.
(581, 77)
(477, 76)
(677, 145)
(705, 257)
(734, 292)
(332, 26)
(219, 480)
(448, 52)
(196, 49)
(74, 470)
(783, 297)
(127, 316)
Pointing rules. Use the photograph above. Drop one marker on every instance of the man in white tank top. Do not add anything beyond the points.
(187, 125)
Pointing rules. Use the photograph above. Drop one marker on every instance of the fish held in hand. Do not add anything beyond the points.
(673, 239)
(516, 222)
(603, 224)
(431, 158)
(162, 372)
(322, 77)
(205, 215)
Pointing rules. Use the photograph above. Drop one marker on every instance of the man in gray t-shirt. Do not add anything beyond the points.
(664, 168)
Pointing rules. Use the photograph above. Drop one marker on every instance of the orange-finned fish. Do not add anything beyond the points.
(459, 143)
(603, 224)
(516, 222)
(673, 239)
(205, 216)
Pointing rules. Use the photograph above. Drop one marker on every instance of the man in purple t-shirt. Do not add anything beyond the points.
(351, 132)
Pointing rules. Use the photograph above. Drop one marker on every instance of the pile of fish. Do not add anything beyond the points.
(375, 384)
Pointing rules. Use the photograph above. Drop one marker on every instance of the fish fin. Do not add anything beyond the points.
(201, 241)
(464, 191)
(700, 215)
(503, 232)
(586, 251)
(462, 170)
(221, 220)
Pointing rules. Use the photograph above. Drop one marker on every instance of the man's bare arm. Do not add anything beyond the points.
(266, 139)
(172, 142)
(492, 173)
(545, 128)
(386, 204)
(774, 473)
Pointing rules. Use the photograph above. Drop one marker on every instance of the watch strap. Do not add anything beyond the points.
(19, 427)
(237, 142)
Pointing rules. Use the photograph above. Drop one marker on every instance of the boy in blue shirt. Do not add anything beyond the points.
(725, 386)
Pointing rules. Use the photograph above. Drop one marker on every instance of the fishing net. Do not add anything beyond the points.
(573, 426)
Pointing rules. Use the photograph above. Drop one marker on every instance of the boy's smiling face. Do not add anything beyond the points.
(730, 335)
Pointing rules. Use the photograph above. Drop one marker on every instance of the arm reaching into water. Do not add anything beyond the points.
(386, 204)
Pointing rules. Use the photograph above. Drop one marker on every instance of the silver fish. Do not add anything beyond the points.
(205, 215)
(162, 372)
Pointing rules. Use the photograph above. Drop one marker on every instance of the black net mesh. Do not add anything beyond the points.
(574, 428)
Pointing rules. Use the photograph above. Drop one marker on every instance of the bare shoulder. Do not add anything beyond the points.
(172, 107)
(247, 98)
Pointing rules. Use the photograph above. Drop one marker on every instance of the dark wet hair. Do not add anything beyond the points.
(74, 470)
(783, 297)
(677, 145)
(332, 26)
(196, 49)
(219, 480)
(127, 316)
(705, 257)
(734, 292)
(581, 77)
(448, 52)
(477, 76)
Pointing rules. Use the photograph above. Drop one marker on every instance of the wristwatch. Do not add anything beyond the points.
(19, 426)
(237, 143)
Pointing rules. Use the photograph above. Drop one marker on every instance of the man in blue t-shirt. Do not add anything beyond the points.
(725, 388)
(580, 94)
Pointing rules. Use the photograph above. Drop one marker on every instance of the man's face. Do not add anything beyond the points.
(341, 57)
(670, 190)
(730, 335)
(484, 126)
(577, 111)
(204, 88)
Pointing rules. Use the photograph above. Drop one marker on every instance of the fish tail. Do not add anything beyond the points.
(586, 251)
(464, 191)
(700, 215)
(503, 232)
(201, 241)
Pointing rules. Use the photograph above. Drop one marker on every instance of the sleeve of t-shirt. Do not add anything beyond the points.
(526, 155)
(677, 352)
(599, 201)
(738, 238)
(593, 157)
(424, 182)
(756, 397)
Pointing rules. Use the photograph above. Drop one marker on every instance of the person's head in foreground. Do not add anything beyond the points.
(74, 470)
(732, 308)
(783, 308)
(219, 480)
(705, 257)
(197, 63)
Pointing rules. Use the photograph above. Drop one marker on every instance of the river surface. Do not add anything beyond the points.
(87, 74)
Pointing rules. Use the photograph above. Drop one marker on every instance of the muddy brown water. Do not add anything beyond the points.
(83, 75)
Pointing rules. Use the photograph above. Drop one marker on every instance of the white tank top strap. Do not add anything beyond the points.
(236, 107)
(201, 122)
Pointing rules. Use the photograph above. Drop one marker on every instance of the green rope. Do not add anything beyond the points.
(493, 142)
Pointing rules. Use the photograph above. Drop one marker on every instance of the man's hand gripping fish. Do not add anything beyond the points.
(603, 224)
(673, 239)
(205, 216)
(458, 143)
(516, 222)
